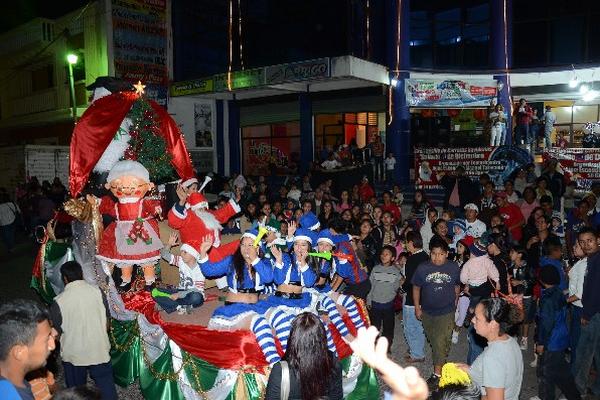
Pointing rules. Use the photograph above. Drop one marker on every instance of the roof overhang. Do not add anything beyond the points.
(346, 72)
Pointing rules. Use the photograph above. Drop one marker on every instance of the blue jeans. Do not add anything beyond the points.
(588, 350)
(476, 345)
(102, 374)
(378, 169)
(547, 141)
(575, 332)
(194, 299)
(413, 332)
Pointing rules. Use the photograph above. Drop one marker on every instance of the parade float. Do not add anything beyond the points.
(170, 356)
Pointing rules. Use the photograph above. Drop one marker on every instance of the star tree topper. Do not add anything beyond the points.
(139, 88)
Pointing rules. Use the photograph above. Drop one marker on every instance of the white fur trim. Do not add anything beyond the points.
(235, 206)
(202, 204)
(326, 240)
(315, 227)
(249, 235)
(190, 250)
(188, 182)
(301, 237)
(203, 260)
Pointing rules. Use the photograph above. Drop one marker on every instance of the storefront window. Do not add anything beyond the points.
(273, 148)
(333, 130)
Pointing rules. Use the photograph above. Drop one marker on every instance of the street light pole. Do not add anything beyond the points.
(71, 60)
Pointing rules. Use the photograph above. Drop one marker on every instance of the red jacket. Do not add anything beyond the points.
(523, 118)
(393, 208)
(366, 192)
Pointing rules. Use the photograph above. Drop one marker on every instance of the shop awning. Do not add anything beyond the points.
(319, 75)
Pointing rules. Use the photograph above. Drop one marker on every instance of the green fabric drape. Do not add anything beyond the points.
(201, 374)
(158, 381)
(46, 292)
(127, 359)
(367, 386)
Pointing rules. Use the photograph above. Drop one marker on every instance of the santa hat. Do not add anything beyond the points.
(309, 221)
(273, 225)
(187, 182)
(197, 200)
(250, 233)
(305, 234)
(128, 167)
(325, 236)
(192, 247)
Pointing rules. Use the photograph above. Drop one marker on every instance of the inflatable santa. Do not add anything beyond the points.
(133, 237)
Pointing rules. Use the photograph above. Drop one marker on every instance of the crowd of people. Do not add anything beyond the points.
(512, 268)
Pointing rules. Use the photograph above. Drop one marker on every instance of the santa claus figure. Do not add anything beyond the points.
(194, 220)
(132, 238)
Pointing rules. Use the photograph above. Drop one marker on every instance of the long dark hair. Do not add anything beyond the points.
(307, 354)
(239, 264)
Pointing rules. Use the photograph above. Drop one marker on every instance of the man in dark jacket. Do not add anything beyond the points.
(553, 340)
(459, 190)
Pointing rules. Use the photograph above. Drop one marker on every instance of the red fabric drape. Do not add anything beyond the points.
(94, 131)
(229, 350)
(174, 141)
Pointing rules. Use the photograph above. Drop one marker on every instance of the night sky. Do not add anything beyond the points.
(15, 13)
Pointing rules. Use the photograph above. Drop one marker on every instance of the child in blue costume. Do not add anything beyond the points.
(326, 243)
(352, 272)
(246, 276)
(292, 274)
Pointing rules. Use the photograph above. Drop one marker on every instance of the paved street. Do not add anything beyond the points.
(15, 275)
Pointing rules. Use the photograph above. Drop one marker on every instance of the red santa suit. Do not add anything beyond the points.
(197, 221)
(119, 245)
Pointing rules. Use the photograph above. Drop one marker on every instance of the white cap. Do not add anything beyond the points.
(472, 206)
(128, 167)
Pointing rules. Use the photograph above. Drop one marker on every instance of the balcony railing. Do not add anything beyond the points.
(37, 31)
(37, 102)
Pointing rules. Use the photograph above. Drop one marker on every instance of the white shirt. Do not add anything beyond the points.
(576, 278)
(8, 212)
(330, 164)
(389, 163)
(549, 119)
(189, 278)
(476, 229)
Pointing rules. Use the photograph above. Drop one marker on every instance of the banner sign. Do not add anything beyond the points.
(501, 163)
(298, 71)
(579, 165)
(140, 32)
(192, 87)
(260, 153)
(240, 79)
(431, 93)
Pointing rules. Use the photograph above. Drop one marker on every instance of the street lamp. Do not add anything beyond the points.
(72, 60)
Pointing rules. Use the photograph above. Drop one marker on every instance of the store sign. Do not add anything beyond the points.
(578, 164)
(298, 71)
(431, 164)
(240, 79)
(432, 93)
(192, 87)
(139, 45)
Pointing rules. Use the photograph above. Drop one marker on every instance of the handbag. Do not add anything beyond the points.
(285, 380)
